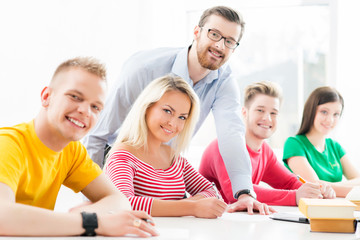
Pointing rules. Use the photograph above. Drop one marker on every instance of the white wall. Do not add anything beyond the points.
(37, 35)
(348, 75)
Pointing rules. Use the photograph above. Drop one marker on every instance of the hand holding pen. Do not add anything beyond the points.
(206, 207)
(313, 190)
(326, 190)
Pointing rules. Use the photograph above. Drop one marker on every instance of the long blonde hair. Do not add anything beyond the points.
(134, 130)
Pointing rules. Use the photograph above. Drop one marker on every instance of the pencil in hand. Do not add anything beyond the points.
(301, 179)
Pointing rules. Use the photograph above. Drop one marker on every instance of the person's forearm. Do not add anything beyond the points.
(351, 182)
(239, 168)
(341, 188)
(196, 197)
(232, 147)
(22, 220)
(165, 208)
(279, 197)
(110, 204)
(230, 131)
(104, 197)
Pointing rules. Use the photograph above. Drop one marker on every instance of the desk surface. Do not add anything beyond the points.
(243, 226)
(233, 226)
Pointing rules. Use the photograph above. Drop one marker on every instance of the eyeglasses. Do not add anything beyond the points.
(215, 36)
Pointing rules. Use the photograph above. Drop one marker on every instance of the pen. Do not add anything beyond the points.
(216, 191)
(301, 179)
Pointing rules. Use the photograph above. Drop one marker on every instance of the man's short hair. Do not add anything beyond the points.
(265, 87)
(225, 12)
(89, 64)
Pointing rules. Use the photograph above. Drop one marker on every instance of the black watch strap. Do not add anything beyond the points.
(241, 192)
(245, 191)
(90, 223)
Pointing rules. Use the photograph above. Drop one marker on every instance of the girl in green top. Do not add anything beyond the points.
(313, 156)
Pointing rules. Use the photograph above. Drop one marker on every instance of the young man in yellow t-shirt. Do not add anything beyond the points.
(38, 156)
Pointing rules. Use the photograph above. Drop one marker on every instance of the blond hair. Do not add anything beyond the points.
(89, 64)
(134, 130)
(265, 87)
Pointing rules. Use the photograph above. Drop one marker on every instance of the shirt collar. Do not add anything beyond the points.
(180, 68)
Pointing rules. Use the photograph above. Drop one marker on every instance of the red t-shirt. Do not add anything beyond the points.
(265, 168)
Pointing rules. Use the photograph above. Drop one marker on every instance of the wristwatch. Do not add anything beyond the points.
(90, 223)
(249, 192)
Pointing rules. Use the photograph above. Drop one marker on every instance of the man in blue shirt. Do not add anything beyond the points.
(202, 66)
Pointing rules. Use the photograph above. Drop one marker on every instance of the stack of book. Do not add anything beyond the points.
(329, 215)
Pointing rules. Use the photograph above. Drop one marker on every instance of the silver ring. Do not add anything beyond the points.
(137, 223)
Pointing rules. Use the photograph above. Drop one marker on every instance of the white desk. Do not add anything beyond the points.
(233, 226)
(242, 226)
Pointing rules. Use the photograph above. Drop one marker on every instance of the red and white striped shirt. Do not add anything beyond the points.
(141, 183)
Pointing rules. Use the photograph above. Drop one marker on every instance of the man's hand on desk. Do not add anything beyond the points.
(121, 223)
(126, 222)
(246, 202)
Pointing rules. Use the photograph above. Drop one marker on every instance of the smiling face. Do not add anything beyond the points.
(166, 118)
(73, 103)
(326, 117)
(212, 55)
(261, 117)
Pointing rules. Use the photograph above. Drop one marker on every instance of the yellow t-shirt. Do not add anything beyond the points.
(35, 173)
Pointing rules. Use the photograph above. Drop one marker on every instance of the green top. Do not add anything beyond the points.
(327, 164)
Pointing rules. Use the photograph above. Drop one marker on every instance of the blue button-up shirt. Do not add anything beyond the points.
(217, 91)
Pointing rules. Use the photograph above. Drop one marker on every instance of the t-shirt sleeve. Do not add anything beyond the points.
(293, 148)
(10, 161)
(339, 149)
(82, 169)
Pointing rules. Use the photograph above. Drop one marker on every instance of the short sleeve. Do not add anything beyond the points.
(339, 149)
(10, 161)
(82, 169)
(293, 148)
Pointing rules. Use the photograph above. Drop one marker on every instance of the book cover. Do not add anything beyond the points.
(333, 225)
(327, 208)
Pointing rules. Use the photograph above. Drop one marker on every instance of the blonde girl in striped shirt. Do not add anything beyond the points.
(152, 174)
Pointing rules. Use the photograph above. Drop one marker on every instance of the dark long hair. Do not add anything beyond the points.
(318, 97)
